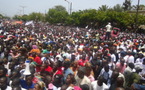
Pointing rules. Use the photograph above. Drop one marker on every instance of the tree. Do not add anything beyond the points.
(1, 16)
(103, 8)
(59, 8)
(36, 16)
(58, 14)
(127, 5)
(118, 8)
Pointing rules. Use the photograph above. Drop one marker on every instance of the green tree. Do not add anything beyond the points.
(1, 16)
(103, 8)
(118, 8)
(36, 16)
(58, 14)
(127, 5)
(59, 8)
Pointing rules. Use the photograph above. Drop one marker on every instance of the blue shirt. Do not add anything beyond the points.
(24, 84)
(66, 72)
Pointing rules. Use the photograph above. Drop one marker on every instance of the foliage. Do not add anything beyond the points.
(58, 14)
(127, 5)
(118, 8)
(103, 8)
(91, 17)
(36, 16)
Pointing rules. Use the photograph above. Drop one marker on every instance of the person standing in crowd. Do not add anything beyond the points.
(3, 84)
(99, 84)
(121, 65)
(108, 31)
(106, 73)
(81, 78)
(27, 83)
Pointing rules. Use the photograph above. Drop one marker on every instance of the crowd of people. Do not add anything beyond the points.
(70, 58)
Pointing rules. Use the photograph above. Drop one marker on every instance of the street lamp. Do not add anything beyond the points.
(70, 7)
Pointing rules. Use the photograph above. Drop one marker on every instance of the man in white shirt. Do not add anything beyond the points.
(131, 58)
(81, 79)
(108, 31)
(99, 84)
(106, 73)
(129, 69)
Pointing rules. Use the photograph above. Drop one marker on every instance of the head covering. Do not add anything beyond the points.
(45, 51)
(34, 47)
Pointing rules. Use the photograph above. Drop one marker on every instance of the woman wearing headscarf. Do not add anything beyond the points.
(35, 49)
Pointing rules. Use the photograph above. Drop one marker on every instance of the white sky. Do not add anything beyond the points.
(14, 7)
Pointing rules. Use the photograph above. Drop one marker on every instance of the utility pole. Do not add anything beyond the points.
(23, 7)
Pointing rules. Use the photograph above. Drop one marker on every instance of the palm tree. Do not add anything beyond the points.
(103, 8)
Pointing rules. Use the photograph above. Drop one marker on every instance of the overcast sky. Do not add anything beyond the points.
(15, 7)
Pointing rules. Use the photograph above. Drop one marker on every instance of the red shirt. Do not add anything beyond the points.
(82, 62)
(39, 62)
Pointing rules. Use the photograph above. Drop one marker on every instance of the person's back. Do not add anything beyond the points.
(108, 31)
(108, 27)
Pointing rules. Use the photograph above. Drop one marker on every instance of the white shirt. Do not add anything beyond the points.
(105, 75)
(108, 27)
(95, 86)
(128, 70)
(85, 80)
(131, 59)
(8, 88)
(113, 58)
(126, 58)
(142, 72)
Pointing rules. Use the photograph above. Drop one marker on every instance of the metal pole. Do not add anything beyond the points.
(23, 7)
(70, 7)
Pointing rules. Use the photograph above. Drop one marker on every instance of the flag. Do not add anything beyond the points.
(29, 23)
(86, 27)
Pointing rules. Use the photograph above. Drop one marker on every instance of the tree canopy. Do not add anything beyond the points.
(91, 17)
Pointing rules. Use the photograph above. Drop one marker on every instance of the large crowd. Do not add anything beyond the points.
(40, 56)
